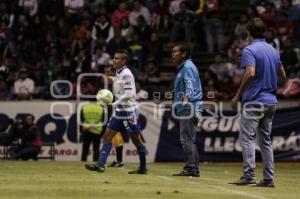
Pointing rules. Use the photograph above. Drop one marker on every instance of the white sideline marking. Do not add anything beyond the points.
(241, 193)
(165, 178)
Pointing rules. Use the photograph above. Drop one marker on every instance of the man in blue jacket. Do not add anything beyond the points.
(186, 107)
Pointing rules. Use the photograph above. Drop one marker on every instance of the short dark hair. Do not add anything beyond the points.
(123, 51)
(184, 48)
(32, 116)
(256, 28)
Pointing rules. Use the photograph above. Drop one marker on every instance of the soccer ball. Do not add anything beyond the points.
(104, 96)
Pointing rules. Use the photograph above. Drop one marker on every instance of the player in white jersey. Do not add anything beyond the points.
(125, 117)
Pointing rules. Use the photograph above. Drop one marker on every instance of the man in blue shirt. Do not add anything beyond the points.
(258, 88)
(186, 107)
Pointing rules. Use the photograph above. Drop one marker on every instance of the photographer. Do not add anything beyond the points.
(9, 131)
(31, 142)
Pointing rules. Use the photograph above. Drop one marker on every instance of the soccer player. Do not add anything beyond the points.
(188, 107)
(259, 84)
(125, 116)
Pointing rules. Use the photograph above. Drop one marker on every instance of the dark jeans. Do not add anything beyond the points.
(257, 122)
(188, 141)
(87, 139)
(24, 152)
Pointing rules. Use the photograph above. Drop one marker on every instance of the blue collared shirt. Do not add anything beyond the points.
(266, 61)
(187, 83)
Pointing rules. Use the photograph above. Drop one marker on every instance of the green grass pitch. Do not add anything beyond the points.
(45, 179)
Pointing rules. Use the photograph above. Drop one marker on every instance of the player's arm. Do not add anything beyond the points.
(128, 82)
(282, 75)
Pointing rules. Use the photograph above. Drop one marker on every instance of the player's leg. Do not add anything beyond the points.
(265, 144)
(106, 147)
(118, 143)
(137, 141)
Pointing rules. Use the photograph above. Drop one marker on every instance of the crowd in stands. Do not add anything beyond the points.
(46, 40)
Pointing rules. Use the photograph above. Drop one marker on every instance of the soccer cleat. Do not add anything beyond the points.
(187, 173)
(139, 171)
(95, 167)
(243, 181)
(266, 183)
(116, 164)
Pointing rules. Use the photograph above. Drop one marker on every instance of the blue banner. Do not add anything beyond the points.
(217, 138)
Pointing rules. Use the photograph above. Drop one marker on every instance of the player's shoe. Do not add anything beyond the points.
(187, 173)
(265, 183)
(243, 181)
(95, 167)
(139, 171)
(116, 164)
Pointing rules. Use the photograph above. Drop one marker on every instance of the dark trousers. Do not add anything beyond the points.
(87, 139)
(24, 152)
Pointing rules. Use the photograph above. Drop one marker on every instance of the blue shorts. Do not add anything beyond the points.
(125, 122)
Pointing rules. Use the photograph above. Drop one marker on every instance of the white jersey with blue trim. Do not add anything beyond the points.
(124, 90)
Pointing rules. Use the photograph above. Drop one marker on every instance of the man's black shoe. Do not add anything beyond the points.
(243, 181)
(265, 183)
(187, 173)
(116, 164)
(139, 171)
(95, 167)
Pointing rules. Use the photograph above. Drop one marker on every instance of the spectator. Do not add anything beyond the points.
(126, 29)
(272, 39)
(82, 62)
(138, 9)
(269, 15)
(73, 8)
(214, 27)
(154, 47)
(31, 142)
(160, 17)
(174, 7)
(117, 42)
(210, 85)
(136, 49)
(284, 27)
(6, 15)
(100, 59)
(142, 29)
(218, 67)
(184, 19)
(24, 86)
(5, 93)
(52, 10)
(151, 73)
(101, 28)
(289, 58)
(29, 7)
(119, 14)
(240, 29)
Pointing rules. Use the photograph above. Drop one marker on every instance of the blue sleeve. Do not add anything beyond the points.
(188, 78)
(247, 58)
